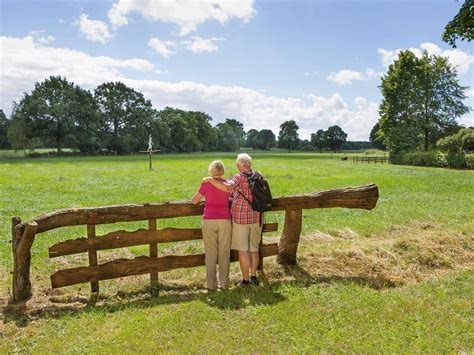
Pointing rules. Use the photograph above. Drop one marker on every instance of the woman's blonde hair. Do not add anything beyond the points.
(216, 168)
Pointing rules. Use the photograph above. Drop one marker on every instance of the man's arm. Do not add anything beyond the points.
(223, 186)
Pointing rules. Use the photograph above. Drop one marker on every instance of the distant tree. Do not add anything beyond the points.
(4, 123)
(238, 129)
(335, 136)
(56, 107)
(183, 130)
(226, 136)
(250, 138)
(375, 137)
(265, 139)
(20, 135)
(356, 145)
(461, 26)
(126, 117)
(206, 134)
(288, 137)
(305, 144)
(318, 140)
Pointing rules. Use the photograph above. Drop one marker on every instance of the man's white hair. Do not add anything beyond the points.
(244, 160)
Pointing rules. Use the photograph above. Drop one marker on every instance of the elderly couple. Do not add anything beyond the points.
(226, 227)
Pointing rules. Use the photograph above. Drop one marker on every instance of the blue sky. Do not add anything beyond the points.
(261, 62)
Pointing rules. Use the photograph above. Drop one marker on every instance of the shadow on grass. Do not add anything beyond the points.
(267, 293)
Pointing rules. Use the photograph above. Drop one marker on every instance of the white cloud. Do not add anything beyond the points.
(187, 14)
(458, 58)
(347, 76)
(25, 62)
(94, 30)
(200, 45)
(40, 37)
(162, 47)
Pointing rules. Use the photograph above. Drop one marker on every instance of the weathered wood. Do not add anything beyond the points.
(137, 266)
(92, 255)
(290, 237)
(122, 239)
(153, 249)
(364, 197)
(22, 259)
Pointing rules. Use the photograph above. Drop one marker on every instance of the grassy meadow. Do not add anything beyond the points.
(398, 278)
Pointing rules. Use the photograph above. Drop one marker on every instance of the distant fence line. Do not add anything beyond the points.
(368, 159)
(24, 234)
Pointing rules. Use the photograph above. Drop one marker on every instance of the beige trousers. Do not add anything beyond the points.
(217, 234)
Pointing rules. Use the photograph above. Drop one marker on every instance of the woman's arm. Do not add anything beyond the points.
(196, 198)
(223, 186)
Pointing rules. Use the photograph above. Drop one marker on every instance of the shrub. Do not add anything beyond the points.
(470, 161)
(430, 158)
(457, 160)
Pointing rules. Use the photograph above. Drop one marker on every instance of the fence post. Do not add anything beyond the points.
(153, 254)
(22, 240)
(290, 237)
(92, 256)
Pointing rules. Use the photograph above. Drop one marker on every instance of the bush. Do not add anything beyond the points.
(470, 160)
(431, 158)
(457, 160)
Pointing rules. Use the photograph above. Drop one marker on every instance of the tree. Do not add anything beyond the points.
(250, 138)
(126, 117)
(335, 136)
(461, 26)
(206, 134)
(265, 139)
(463, 141)
(318, 139)
(227, 139)
(420, 95)
(4, 123)
(288, 137)
(56, 107)
(238, 129)
(183, 130)
(375, 137)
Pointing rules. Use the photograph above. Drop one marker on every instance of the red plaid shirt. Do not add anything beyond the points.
(241, 211)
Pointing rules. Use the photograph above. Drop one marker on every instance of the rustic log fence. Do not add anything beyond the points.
(23, 236)
(366, 159)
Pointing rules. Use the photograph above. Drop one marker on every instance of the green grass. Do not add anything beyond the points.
(433, 316)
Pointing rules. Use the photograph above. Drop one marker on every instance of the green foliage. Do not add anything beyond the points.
(318, 139)
(288, 137)
(228, 142)
(457, 160)
(250, 138)
(4, 123)
(376, 137)
(461, 26)
(264, 140)
(334, 137)
(421, 158)
(456, 143)
(419, 94)
(238, 129)
(470, 160)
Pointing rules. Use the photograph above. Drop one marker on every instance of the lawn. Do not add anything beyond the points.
(429, 308)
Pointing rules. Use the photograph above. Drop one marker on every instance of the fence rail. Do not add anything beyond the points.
(24, 234)
(366, 159)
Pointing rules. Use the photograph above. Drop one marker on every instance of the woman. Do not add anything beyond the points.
(216, 228)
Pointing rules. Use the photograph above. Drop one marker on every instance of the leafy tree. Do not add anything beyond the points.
(356, 145)
(288, 137)
(56, 107)
(419, 94)
(206, 134)
(183, 130)
(4, 123)
(463, 141)
(375, 137)
(126, 117)
(250, 138)
(265, 139)
(461, 26)
(335, 136)
(20, 134)
(318, 140)
(238, 129)
(227, 139)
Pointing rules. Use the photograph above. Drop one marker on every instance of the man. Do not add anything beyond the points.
(246, 226)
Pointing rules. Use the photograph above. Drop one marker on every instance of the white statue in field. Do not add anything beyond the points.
(150, 143)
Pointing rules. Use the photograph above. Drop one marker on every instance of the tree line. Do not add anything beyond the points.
(117, 119)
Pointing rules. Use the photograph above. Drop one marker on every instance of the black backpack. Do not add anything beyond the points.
(261, 195)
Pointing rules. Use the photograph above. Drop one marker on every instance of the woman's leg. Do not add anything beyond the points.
(209, 233)
(223, 243)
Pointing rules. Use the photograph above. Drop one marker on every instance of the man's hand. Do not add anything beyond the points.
(207, 179)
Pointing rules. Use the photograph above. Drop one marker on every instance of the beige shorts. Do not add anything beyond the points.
(246, 236)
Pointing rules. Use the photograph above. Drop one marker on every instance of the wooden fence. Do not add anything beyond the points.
(24, 234)
(367, 159)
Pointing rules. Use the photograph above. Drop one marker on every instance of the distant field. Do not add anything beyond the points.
(414, 203)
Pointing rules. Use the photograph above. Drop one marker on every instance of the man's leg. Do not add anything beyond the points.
(255, 259)
(244, 260)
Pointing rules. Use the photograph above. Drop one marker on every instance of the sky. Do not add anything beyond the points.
(318, 62)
